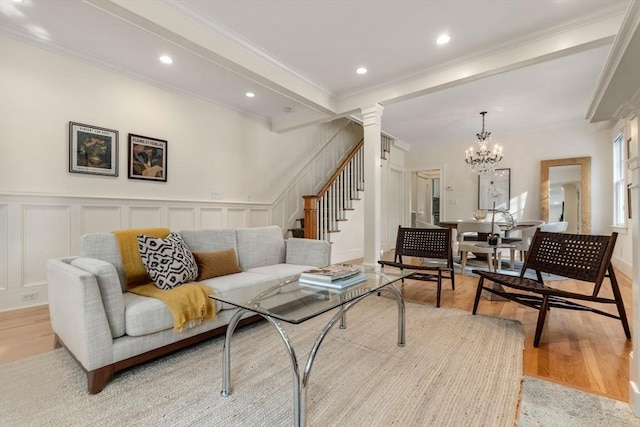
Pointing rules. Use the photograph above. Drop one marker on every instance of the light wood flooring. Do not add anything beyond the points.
(578, 349)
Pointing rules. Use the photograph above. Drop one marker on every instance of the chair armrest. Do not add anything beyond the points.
(308, 252)
(77, 314)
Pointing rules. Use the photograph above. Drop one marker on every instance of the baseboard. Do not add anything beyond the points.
(622, 266)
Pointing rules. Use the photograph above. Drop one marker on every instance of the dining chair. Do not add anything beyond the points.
(433, 247)
(555, 227)
(584, 258)
(466, 228)
(522, 245)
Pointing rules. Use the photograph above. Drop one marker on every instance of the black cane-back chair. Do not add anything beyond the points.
(584, 258)
(433, 247)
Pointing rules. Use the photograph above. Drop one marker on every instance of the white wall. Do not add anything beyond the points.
(522, 154)
(210, 148)
(44, 209)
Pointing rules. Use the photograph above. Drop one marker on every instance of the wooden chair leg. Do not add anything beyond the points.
(478, 293)
(544, 307)
(512, 258)
(490, 261)
(619, 303)
(463, 261)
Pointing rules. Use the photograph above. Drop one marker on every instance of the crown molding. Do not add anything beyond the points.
(51, 46)
(220, 30)
(628, 30)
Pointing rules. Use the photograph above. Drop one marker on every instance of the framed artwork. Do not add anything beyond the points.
(93, 150)
(147, 158)
(494, 187)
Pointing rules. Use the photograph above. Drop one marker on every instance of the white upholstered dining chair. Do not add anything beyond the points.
(466, 246)
(522, 245)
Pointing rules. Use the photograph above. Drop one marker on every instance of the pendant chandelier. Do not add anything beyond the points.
(483, 160)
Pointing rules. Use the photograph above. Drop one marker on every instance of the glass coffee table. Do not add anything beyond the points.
(295, 302)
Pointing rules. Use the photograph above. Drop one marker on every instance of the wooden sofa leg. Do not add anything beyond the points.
(98, 378)
(56, 342)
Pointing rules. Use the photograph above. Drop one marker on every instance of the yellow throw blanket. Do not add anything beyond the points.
(189, 303)
(134, 269)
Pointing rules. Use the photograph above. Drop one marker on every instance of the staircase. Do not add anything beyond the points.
(325, 210)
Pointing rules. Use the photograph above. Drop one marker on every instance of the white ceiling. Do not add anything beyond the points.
(532, 64)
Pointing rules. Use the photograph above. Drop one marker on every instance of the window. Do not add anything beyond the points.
(619, 187)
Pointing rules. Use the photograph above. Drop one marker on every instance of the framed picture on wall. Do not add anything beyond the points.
(93, 150)
(494, 187)
(147, 158)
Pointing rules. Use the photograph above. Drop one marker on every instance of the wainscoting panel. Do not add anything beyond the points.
(211, 218)
(36, 228)
(96, 219)
(182, 218)
(145, 217)
(259, 218)
(44, 229)
(4, 247)
(237, 218)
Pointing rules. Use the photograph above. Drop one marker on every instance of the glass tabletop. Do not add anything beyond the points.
(293, 301)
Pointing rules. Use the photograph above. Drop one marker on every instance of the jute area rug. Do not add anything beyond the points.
(456, 370)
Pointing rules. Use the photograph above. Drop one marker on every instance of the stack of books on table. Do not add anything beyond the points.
(334, 276)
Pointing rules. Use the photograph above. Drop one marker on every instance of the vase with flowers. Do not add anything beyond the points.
(493, 238)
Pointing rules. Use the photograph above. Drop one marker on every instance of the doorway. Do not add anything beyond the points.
(425, 198)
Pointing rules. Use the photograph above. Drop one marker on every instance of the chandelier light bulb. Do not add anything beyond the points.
(483, 160)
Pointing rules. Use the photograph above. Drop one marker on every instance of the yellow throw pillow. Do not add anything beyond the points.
(214, 264)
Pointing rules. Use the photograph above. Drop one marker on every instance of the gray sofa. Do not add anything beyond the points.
(107, 329)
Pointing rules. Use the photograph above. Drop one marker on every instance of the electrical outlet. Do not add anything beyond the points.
(30, 296)
(453, 202)
(215, 195)
(449, 187)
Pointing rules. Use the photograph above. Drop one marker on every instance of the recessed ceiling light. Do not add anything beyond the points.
(250, 94)
(18, 1)
(165, 59)
(361, 70)
(443, 39)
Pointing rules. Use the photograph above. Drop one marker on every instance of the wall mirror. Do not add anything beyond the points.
(565, 192)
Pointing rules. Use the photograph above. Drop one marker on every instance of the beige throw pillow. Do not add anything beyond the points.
(214, 264)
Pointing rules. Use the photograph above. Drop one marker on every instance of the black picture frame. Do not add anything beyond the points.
(495, 187)
(93, 150)
(147, 158)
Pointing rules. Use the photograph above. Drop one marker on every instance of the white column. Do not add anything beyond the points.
(633, 132)
(372, 122)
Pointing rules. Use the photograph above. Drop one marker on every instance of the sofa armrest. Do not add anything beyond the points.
(308, 252)
(77, 314)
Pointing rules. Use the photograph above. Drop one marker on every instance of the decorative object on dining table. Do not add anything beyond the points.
(495, 189)
(507, 217)
(493, 239)
(483, 160)
(480, 214)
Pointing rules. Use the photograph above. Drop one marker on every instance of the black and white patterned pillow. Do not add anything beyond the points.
(169, 261)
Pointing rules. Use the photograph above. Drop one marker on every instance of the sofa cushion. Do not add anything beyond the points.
(260, 246)
(214, 264)
(104, 246)
(169, 261)
(222, 284)
(110, 291)
(145, 315)
(307, 251)
(210, 240)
